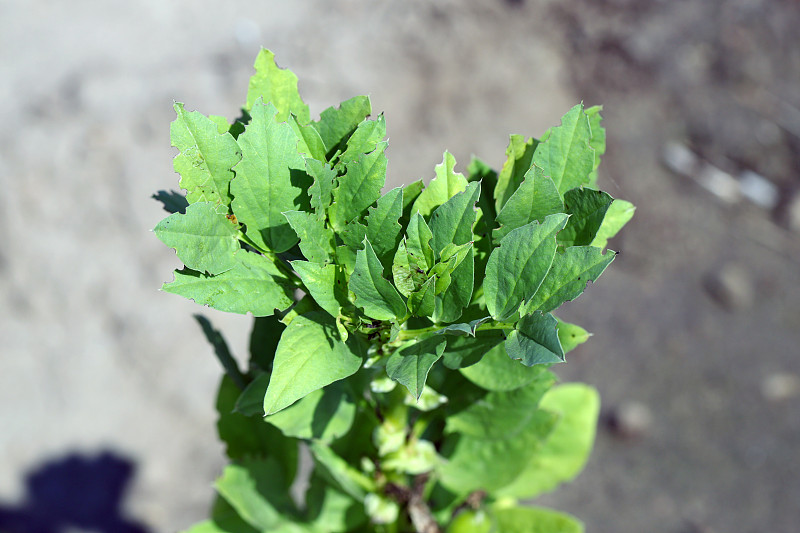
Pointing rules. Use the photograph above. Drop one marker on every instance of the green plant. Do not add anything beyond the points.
(413, 361)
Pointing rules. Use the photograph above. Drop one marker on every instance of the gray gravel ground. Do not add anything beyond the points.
(94, 358)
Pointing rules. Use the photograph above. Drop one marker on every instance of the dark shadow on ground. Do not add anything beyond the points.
(74, 492)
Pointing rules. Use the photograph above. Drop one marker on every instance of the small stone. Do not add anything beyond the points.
(758, 189)
(679, 159)
(780, 387)
(631, 420)
(730, 287)
(719, 183)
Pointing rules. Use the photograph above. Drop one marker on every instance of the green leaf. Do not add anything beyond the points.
(321, 191)
(223, 520)
(325, 283)
(204, 238)
(383, 229)
(564, 153)
(254, 285)
(566, 450)
(535, 520)
(501, 414)
(353, 235)
(325, 414)
(338, 472)
(570, 273)
(251, 401)
(317, 242)
(277, 86)
(452, 221)
(336, 124)
(444, 186)
(587, 209)
(475, 463)
(418, 243)
(496, 371)
(535, 341)
(618, 214)
(247, 436)
(571, 335)
(535, 199)
(253, 487)
(519, 157)
(409, 365)
(378, 298)
(422, 302)
(206, 157)
(330, 510)
(598, 140)
(410, 194)
(366, 139)
(359, 187)
(465, 351)
(517, 267)
(452, 301)
(310, 355)
(308, 139)
(270, 179)
(408, 277)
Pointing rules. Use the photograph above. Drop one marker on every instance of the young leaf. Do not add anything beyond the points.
(408, 277)
(321, 191)
(564, 453)
(517, 267)
(379, 299)
(359, 187)
(567, 279)
(451, 302)
(535, 341)
(618, 214)
(308, 139)
(444, 186)
(270, 179)
(325, 283)
(409, 365)
(254, 285)
(418, 243)
(205, 159)
(253, 488)
(564, 153)
(535, 520)
(309, 356)
(587, 208)
(535, 199)
(277, 86)
(383, 229)
(316, 241)
(325, 414)
(339, 473)
(421, 303)
(336, 124)
(519, 156)
(452, 221)
(367, 138)
(204, 238)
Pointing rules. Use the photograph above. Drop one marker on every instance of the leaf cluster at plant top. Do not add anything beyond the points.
(415, 364)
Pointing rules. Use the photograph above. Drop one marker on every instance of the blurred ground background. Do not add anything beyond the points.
(697, 323)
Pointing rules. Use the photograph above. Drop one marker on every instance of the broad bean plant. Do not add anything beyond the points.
(399, 374)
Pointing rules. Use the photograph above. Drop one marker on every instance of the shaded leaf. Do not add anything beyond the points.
(517, 267)
(535, 340)
(618, 214)
(587, 209)
(336, 124)
(465, 351)
(409, 364)
(325, 414)
(376, 296)
(496, 371)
